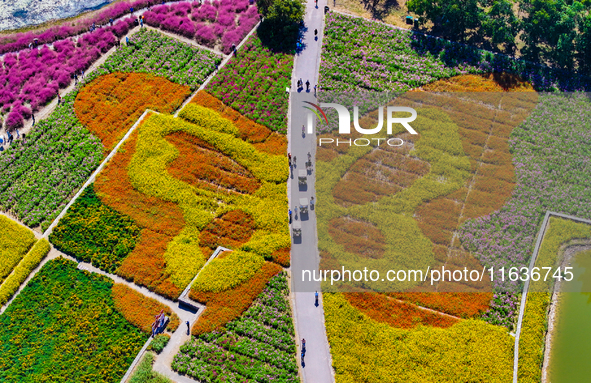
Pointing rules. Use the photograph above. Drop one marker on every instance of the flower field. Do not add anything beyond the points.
(20, 273)
(32, 78)
(72, 332)
(402, 241)
(535, 317)
(258, 346)
(15, 241)
(219, 23)
(156, 184)
(64, 149)
(43, 172)
(111, 104)
(253, 83)
(153, 53)
(262, 138)
(365, 350)
(140, 310)
(225, 306)
(362, 55)
(95, 233)
(398, 314)
(144, 373)
(549, 154)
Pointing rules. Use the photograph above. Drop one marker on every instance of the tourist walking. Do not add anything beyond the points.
(188, 327)
(316, 299)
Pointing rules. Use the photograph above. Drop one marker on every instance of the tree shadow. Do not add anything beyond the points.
(379, 9)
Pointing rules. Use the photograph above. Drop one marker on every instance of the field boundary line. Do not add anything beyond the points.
(532, 263)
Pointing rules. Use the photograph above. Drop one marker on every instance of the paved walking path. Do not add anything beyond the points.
(309, 318)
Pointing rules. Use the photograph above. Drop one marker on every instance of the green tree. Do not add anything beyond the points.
(453, 19)
(583, 44)
(499, 24)
(550, 30)
(280, 28)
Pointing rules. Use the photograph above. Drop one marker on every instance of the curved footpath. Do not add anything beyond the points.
(309, 319)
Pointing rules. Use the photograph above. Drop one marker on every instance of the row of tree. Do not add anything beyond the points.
(557, 32)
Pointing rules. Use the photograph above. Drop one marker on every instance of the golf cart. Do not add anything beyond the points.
(302, 177)
(303, 205)
(296, 228)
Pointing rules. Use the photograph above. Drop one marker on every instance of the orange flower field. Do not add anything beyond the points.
(112, 103)
(383, 309)
(139, 309)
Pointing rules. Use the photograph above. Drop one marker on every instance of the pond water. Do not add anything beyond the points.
(570, 357)
(23, 13)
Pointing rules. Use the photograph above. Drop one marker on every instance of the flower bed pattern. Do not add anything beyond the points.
(71, 331)
(15, 241)
(160, 222)
(173, 214)
(260, 136)
(483, 128)
(254, 82)
(363, 349)
(111, 104)
(227, 272)
(258, 346)
(214, 23)
(362, 55)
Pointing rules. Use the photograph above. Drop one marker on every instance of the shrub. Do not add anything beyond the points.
(158, 343)
(144, 373)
